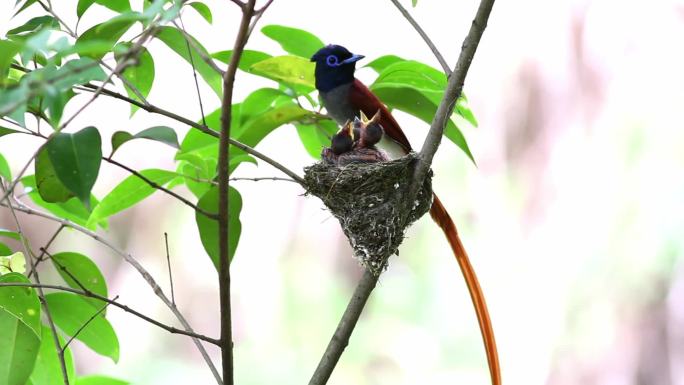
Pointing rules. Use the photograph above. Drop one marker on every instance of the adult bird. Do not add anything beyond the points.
(345, 98)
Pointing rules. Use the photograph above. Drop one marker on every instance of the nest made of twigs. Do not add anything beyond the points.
(370, 201)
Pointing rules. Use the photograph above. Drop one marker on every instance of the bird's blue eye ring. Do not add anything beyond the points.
(332, 61)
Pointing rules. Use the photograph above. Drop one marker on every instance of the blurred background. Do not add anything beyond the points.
(573, 216)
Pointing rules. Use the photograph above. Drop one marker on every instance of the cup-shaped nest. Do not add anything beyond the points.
(370, 201)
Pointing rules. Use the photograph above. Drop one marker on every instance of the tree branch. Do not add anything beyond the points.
(223, 173)
(426, 38)
(113, 302)
(340, 339)
(161, 188)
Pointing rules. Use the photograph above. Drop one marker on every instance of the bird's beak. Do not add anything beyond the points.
(352, 59)
(350, 128)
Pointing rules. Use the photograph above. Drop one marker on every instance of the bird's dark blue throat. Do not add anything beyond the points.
(335, 66)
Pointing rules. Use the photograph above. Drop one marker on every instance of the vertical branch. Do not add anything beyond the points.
(168, 263)
(223, 156)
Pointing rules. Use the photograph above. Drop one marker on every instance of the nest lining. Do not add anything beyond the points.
(369, 200)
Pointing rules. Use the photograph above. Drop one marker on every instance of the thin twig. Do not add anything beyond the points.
(156, 110)
(424, 35)
(121, 306)
(257, 179)
(191, 43)
(41, 295)
(43, 250)
(168, 263)
(141, 270)
(161, 188)
(85, 324)
(340, 339)
(194, 71)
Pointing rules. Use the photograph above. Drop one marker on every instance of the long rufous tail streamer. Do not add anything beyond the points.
(441, 216)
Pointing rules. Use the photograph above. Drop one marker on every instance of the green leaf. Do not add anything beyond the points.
(295, 41)
(203, 10)
(208, 228)
(35, 24)
(76, 159)
(19, 346)
(14, 263)
(73, 209)
(100, 380)
(79, 272)
(259, 102)
(5, 170)
(247, 59)
(463, 109)
(383, 62)
(48, 368)
(414, 3)
(129, 192)
(50, 188)
(291, 70)
(174, 39)
(5, 251)
(115, 5)
(141, 76)
(161, 134)
(10, 234)
(108, 32)
(315, 137)
(21, 302)
(257, 128)
(8, 50)
(70, 312)
(417, 104)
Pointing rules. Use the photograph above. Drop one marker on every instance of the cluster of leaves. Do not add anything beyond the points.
(44, 64)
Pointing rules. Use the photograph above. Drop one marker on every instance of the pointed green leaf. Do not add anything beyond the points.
(208, 228)
(8, 50)
(203, 10)
(129, 192)
(257, 128)
(383, 62)
(76, 159)
(48, 368)
(293, 40)
(50, 188)
(115, 5)
(10, 234)
(21, 302)
(293, 70)
(79, 272)
(35, 24)
(161, 134)
(248, 58)
(259, 102)
(70, 312)
(175, 40)
(19, 346)
(109, 32)
(5, 170)
(73, 209)
(141, 75)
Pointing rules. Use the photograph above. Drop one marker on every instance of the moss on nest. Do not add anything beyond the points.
(369, 200)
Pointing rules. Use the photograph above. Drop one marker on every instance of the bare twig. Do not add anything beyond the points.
(43, 250)
(426, 38)
(190, 42)
(123, 307)
(340, 339)
(161, 188)
(85, 324)
(168, 263)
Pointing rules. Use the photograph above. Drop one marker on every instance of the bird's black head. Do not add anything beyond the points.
(334, 66)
